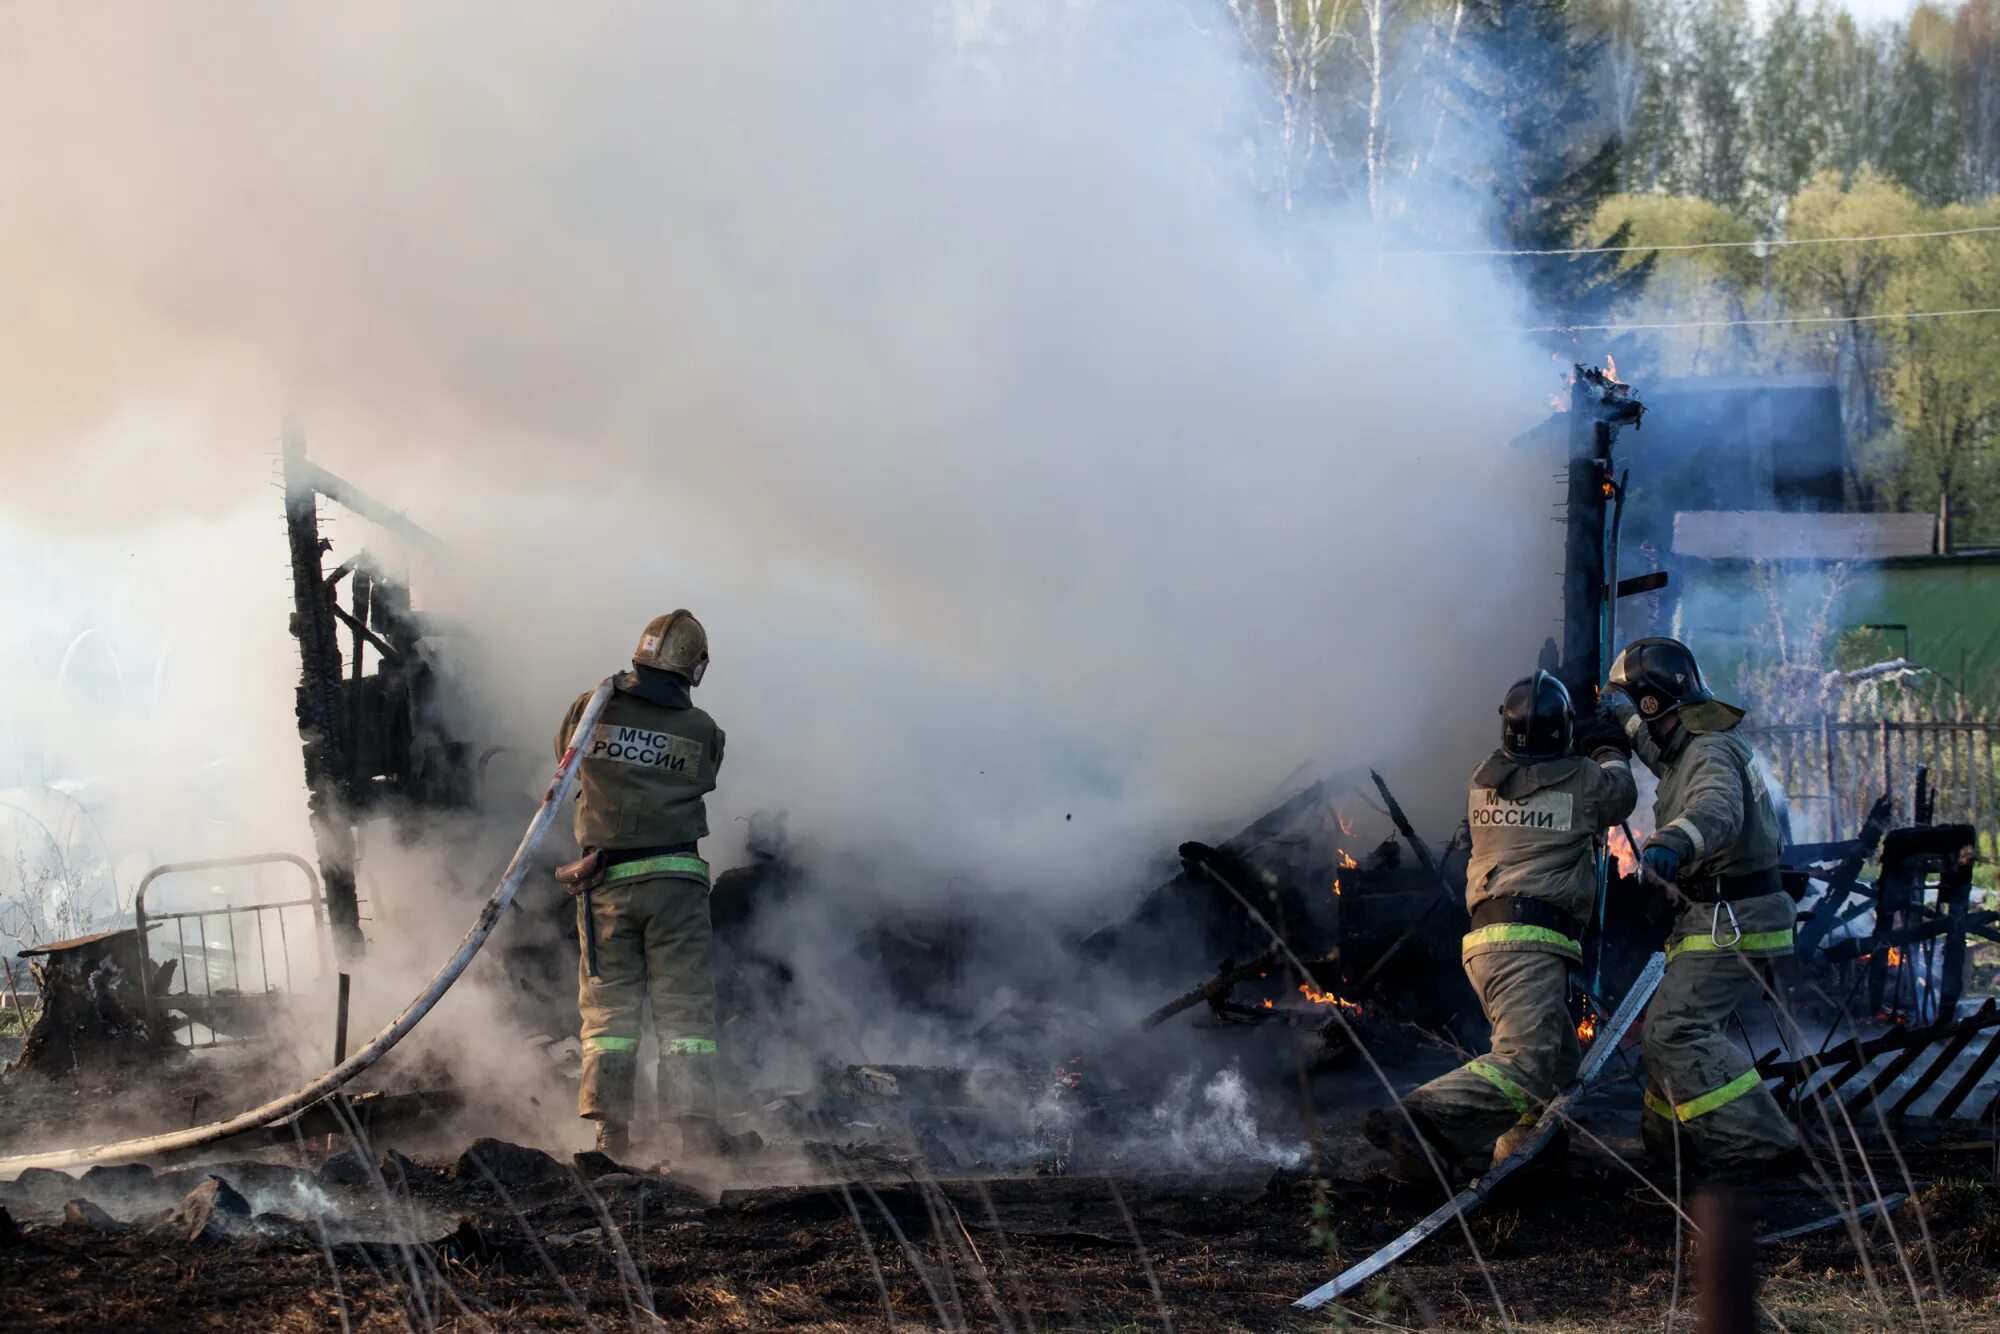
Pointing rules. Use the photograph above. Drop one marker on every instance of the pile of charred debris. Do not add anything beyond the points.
(1318, 966)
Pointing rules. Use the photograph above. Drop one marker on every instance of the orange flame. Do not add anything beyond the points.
(1345, 827)
(1586, 1027)
(1347, 863)
(1610, 366)
(1895, 957)
(1318, 997)
(1622, 851)
(1268, 1005)
(1336, 886)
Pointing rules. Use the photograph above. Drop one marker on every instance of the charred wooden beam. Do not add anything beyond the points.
(323, 723)
(1226, 980)
(1599, 408)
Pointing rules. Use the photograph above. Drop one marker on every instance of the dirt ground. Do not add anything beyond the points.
(506, 1238)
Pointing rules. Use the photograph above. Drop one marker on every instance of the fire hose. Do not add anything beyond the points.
(379, 1046)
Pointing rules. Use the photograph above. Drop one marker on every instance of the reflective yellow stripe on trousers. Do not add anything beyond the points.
(671, 864)
(1755, 941)
(1509, 1090)
(1519, 933)
(1707, 1102)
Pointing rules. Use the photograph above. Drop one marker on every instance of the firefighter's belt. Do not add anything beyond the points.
(1733, 888)
(582, 875)
(1515, 919)
(676, 864)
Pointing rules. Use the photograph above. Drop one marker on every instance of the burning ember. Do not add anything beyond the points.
(1895, 957)
(1586, 1027)
(1318, 997)
(1623, 852)
(1336, 886)
(1347, 863)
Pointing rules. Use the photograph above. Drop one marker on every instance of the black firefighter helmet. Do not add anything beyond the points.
(1660, 675)
(1536, 719)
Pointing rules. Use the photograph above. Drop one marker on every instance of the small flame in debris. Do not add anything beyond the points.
(1318, 997)
(1586, 1027)
(1336, 886)
(1610, 366)
(1622, 851)
(1895, 957)
(1269, 1005)
(1347, 863)
(1345, 827)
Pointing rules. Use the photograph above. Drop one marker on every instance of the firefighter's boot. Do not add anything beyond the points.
(1389, 1129)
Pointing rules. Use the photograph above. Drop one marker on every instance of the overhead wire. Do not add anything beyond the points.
(1872, 318)
(1774, 243)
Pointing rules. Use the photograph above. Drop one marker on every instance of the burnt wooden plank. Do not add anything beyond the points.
(1951, 1052)
(1970, 1079)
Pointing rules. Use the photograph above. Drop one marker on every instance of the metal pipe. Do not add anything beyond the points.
(378, 1046)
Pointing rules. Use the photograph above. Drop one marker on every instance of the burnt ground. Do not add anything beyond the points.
(505, 1238)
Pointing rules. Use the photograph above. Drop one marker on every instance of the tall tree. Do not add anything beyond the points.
(1849, 281)
(1787, 114)
(1945, 384)
(1713, 105)
(1529, 82)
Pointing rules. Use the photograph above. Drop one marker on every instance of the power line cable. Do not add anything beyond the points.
(1774, 243)
(1738, 324)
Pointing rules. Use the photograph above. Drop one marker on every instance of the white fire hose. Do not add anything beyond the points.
(314, 1089)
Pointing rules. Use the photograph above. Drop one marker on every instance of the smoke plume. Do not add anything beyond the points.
(1050, 491)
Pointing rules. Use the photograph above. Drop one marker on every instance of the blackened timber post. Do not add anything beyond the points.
(1599, 407)
(323, 727)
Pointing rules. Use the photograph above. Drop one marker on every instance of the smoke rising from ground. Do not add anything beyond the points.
(1049, 493)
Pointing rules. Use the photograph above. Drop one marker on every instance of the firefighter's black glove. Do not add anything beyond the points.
(1599, 731)
(1661, 860)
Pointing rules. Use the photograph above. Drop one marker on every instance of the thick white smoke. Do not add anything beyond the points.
(1049, 492)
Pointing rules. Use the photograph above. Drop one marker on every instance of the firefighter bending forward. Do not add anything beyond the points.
(642, 887)
(1717, 838)
(1536, 808)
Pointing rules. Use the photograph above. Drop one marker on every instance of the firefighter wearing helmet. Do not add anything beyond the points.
(1536, 809)
(1718, 832)
(642, 887)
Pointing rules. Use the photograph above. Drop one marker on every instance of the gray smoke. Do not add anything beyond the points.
(1050, 493)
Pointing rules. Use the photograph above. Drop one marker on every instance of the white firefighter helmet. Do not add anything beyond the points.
(674, 643)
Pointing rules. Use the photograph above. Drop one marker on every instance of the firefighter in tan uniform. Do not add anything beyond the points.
(1536, 809)
(1717, 838)
(643, 887)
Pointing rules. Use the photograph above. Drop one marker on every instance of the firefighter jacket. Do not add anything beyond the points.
(646, 767)
(1715, 807)
(1534, 831)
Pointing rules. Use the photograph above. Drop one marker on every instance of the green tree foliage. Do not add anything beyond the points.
(1944, 378)
(1661, 123)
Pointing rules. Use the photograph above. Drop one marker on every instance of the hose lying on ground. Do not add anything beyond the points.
(314, 1089)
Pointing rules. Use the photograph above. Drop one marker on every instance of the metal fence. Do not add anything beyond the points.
(1834, 770)
(210, 988)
